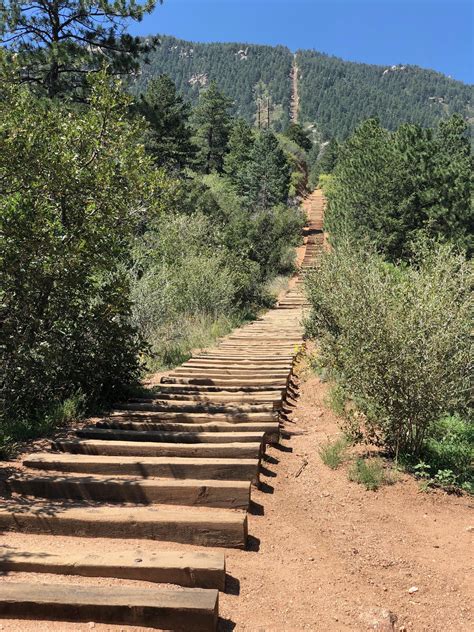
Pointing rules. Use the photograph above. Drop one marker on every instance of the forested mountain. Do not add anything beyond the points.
(249, 75)
(335, 95)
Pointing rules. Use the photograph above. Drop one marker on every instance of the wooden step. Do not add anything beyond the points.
(192, 569)
(171, 436)
(207, 389)
(270, 429)
(151, 448)
(187, 525)
(229, 416)
(221, 380)
(162, 467)
(237, 397)
(212, 493)
(185, 406)
(186, 610)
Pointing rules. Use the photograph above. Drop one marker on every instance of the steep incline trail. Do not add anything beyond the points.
(295, 97)
(128, 500)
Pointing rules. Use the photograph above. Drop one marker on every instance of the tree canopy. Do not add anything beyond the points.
(59, 41)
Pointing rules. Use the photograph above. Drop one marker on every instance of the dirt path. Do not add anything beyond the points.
(334, 557)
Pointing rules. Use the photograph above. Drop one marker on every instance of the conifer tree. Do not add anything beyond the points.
(55, 43)
(267, 177)
(212, 126)
(241, 141)
(168, 138)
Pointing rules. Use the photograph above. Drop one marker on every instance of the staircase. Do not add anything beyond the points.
(176, 467)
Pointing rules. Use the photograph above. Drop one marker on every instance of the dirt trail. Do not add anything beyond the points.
(333, 556)
(295, 98)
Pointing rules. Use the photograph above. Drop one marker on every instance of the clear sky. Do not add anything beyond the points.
(430, 33)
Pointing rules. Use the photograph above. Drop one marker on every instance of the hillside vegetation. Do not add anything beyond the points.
(335, 95)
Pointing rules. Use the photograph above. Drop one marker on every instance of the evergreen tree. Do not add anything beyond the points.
(361, 206)
(241, 141)
(59, 41)
(393, 188)
(168, 138)
(212, 125)
(267, 177)
(299, 135)
(453, 177)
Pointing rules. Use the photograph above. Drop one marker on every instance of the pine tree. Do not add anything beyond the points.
(168, 138)
(267, 178)
(241, 141)
(55, 43)
(212, 126)
(361, 206)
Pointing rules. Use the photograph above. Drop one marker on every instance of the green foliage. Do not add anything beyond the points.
(15, 430)
(324, 162)
(168, 138)
(336, 399)
(55, 44)
(447, 455)
(266, 179)
(370, 473)
(393, 188)
(212, 124)
(299, 135)
(333, 453)
(397, 338)
(241, 142)
(74, 186)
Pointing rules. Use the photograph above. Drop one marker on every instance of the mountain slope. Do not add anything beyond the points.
(334, 95)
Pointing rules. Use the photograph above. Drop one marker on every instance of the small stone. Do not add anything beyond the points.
(91, 624)
(413, 589)
(138, 560)
(470, 529)
(311, 559)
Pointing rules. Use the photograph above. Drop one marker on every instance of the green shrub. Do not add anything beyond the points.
(333, 452)
(336, 399)
(398, 338)
(14, 431)
(78, 182)
(368, 472)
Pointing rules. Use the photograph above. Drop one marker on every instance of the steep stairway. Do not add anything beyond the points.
(176, 466)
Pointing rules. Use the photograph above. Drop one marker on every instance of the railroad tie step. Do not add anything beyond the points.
(200, 526)
(188, 492)
(191, 569)
(185, 610)
(269, 429)
(231, 450)
(172, 435)
(146, 466)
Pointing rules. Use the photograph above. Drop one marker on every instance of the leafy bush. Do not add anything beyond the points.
(75, 184)
(449, 451)
(397, 338)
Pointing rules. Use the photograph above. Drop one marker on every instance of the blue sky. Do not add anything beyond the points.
(430, 33)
